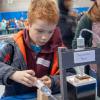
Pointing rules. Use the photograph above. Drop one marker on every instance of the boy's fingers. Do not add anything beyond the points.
(26, 84)
(46, 78)
(30, 72)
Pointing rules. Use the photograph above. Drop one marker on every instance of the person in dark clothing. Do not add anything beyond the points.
(67, 22)
(67, 26)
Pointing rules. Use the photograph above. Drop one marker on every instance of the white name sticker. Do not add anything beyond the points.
(43, 62)
(84, 56)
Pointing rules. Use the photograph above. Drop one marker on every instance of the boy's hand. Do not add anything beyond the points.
(25, 77)
(46, 80)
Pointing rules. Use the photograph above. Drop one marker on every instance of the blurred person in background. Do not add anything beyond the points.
(3, 26)
(67, 22)
(67, 25)
(91, 21)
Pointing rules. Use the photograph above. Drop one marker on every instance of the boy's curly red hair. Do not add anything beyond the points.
(44, 10)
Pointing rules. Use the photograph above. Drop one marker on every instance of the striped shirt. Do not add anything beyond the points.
(96, 39)
(96, 30)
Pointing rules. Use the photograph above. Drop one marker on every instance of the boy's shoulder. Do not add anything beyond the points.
(6, 45)
(6, 50)
(6, 42)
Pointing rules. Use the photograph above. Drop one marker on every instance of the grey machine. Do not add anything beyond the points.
(84, 89)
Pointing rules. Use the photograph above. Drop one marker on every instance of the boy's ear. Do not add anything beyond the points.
(27, 25)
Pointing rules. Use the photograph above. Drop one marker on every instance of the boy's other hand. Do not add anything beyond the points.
(26, 77)
(46, 80)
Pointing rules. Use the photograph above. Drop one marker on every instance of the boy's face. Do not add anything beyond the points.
(41, 31)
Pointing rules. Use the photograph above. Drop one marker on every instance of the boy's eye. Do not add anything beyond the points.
(40, 31)
(43, 31)
(50, 32)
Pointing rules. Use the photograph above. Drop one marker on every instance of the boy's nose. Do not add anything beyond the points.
(44, 37)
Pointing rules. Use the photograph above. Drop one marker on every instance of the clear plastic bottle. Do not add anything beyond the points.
(39, 84)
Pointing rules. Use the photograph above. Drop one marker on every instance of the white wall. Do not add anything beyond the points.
(17, 5)
(82, 3)
(22, 5)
